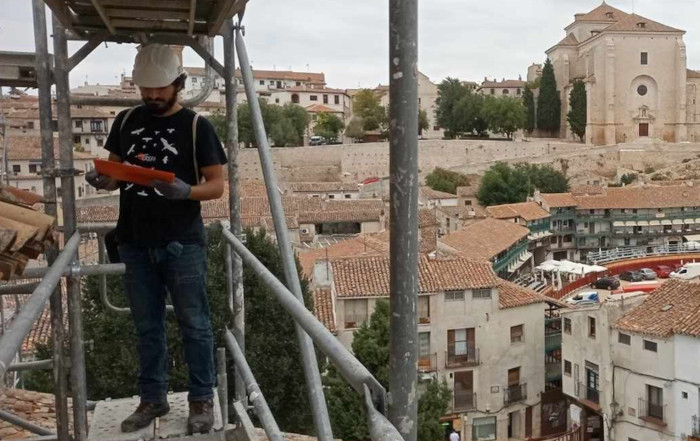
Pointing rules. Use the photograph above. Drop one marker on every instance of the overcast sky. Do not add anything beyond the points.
(348, 39)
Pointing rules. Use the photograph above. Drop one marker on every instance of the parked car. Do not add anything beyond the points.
(608, 283)
(648, 273)
(663, 271)
(631, 276)
(317, 140)
(584, 298)
(687, 272)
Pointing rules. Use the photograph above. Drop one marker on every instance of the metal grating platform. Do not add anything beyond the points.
(106, 421)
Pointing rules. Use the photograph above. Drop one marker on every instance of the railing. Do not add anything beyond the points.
(575, 434)
(636, 252)
(427, 363)
(588, 393)
(513, 394)
(651, 412)
(503, 262)
(552, 341)
(463, 400)
(470, 357)
(586, 217)
(695, 426)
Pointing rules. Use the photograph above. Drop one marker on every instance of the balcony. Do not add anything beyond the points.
(652, 413)
(470, 357)
(552, 372)
(463, 400)
(591, 394)
(427, 363)
(424, 320)
(552, 341)
(513, 394)
(695, 427)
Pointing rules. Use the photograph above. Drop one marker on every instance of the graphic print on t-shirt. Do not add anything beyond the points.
(154, 149)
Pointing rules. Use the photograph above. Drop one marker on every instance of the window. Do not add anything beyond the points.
(655, 402)
(30, 124)
(295, 98)
(506, 91)
(493, 91)
(298, 83)
(96, 126)
(516, 334)
(436, 128)
(645, 58)
(468, 202)
(684, 395)
(100, 142)
(423, 310)
(591, 327)
(347, 196)
(454, 296)
(567, 325)
(32, 168)
(642, 90)
(336, 99)
(194, 79)
(325, 99)
(484, 428)
(313, 98)
(650, 346)
(624, 339)
(331, 196)
(272, 82)
(262, 82)
(461, 343)
(16, 169)
(568, 238)
(567, 367)
(423, 344)
(484, 293)
(76, 139)
(355, 312)
(517, 92)
(277, 100)
(78, 124)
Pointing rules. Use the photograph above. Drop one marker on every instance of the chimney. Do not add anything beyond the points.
(520, 77)
(178, 50)
(486, 79)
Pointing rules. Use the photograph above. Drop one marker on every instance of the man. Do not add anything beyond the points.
(160, 233)
(454, 436)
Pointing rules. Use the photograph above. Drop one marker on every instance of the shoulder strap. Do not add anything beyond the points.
(126, 117)
(194, 147)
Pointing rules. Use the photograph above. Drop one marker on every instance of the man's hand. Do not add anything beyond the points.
(97, 180)
(178, 189)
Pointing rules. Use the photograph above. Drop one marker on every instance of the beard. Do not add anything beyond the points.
(158, 106)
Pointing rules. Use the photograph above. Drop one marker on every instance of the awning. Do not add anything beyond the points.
(677, 222)
(518, 263)
(654, 223)
(697, 220)
(618, 224)
(689, 221)
(666, 222)
(630, 224)
(642, 223)
(692, 237)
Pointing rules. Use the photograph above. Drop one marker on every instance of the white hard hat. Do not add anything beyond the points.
(156, 65)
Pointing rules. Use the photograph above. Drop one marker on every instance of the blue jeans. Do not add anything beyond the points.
(150, 274)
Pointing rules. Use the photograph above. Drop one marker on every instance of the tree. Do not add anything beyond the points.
(450, 92)
(367, 105)
(354, 129)
(548, 102)
(328, 125)
(299, 119)
(445, 180)
(423, 122)
(503, 184)
(272, 350)
(578, 109)
(529, 103)
(504, 115)
(218, 120)
(283, 134)
(469, 114)
(371, 346)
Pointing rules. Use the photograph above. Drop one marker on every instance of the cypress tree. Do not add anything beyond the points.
(577, 109)
(548, 103)
(529, 103)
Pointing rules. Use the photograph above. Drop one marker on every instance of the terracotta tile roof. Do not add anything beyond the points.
(527, 210)
(35, 407)
(601, 14)
(642, 197)
(314, 217)
(637, 23)
(470, 190)
(89, 112)
(558, 200)
(674, 308)
(569, 40)
(313, 89)
(28, 148)
(317, 78)
(503, 84)
(511, 295)
(426, 218)
(105, 213)
(429, 193)
(692, 73)
(320, 108)
(251, 189)
(354, 204)
(322, 187)
(369, 276)
(357, 246)
(583, 190)
(323, 307)
(485, 239)
(451, 211)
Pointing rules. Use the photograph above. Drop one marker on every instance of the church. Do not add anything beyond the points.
(637, 82)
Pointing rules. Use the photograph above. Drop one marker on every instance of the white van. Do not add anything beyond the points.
(687, 272)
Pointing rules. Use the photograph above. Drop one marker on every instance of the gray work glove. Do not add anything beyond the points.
(178, 189)
(97, 180)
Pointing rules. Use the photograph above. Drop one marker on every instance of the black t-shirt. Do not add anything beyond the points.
(147, 218)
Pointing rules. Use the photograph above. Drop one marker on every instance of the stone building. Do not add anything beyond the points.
(636, 78)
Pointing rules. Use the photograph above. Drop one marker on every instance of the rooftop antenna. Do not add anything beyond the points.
(307, 67)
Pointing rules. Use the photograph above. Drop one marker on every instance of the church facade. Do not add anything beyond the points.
(637, 82)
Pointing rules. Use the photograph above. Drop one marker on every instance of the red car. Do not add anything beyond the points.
(663, 271)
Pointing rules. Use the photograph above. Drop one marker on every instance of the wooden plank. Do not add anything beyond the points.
(30, 217)
(60, 10)
(24, 232)
(32, 249)
(171, 5)
(223, 10)
(103, 14)
(87, 22)
(7, 238)
(193, 10)
(17, 196)
(147, 14)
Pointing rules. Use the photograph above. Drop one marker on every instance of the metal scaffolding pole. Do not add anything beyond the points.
(234, 265)
(48, 166)
(308, 356)
(65, 137)
(403, 168)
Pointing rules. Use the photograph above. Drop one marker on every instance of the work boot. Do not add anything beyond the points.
(201, 416)
(143, 415)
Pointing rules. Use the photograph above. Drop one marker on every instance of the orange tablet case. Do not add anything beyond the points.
(131, 173)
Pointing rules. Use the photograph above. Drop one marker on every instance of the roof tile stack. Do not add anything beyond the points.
(35, 407)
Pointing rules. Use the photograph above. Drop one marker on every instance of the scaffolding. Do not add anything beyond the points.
(195, 23)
